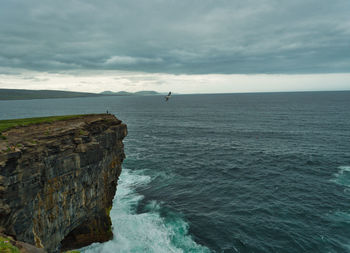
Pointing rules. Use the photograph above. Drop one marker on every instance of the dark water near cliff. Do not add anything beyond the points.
(226, 173)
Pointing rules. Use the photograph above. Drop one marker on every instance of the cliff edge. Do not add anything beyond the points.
(58, 180)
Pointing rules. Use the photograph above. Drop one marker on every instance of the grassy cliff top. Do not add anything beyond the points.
(17, 133)
(10, 123)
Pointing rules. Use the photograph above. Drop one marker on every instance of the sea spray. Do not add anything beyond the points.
(143, 232)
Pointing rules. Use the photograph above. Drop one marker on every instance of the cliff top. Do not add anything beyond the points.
(10, 123)
(17, 133)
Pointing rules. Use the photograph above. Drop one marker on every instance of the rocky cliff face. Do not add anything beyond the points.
(58, 180)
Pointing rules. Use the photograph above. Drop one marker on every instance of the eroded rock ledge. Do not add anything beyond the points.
(58, 180)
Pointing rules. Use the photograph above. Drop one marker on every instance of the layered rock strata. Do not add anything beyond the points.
(58, 180)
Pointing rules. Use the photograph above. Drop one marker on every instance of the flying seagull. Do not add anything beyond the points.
(168, 96)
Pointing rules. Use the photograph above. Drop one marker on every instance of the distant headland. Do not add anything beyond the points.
(21, 94)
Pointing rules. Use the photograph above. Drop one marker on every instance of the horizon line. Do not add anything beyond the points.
(177, 93)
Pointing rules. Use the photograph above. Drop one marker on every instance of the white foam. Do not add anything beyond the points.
(344, 168)
(144, 232)
(342, 177)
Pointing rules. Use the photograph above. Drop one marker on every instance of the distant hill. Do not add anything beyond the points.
(119, 93)
(146, 93)
(125, 93)
(16, 94)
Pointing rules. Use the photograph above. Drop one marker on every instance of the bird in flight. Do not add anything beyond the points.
(168, 96)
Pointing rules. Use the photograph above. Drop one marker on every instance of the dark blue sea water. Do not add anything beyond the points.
(265, 172)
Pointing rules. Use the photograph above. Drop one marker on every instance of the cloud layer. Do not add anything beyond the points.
(177, 36)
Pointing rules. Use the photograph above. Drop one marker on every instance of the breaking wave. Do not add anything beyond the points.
(143, 232)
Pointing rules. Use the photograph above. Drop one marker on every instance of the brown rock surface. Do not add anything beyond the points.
(58, 180)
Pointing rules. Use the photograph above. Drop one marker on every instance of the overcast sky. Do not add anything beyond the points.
(156, 44)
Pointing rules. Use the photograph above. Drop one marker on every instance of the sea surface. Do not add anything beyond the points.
(264, 172)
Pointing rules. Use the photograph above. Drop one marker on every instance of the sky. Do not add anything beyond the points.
(186, 46)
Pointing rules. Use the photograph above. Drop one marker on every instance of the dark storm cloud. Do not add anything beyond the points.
(177, 36)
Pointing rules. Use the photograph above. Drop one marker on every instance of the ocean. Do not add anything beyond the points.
(258, 172)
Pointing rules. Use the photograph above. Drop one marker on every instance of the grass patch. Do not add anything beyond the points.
(7, 247)
(7, 124)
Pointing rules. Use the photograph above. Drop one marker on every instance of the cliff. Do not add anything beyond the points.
(58, 180)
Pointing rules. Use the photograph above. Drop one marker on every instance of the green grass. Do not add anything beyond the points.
(7, 247)
(15, 94)
(7, 124)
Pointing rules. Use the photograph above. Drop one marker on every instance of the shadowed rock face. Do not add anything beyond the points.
(58, 180)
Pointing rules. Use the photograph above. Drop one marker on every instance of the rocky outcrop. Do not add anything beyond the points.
(58, 180)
